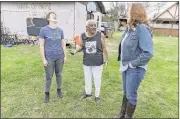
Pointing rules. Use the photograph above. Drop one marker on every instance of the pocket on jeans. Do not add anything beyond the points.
(138, 73)
(135, 70)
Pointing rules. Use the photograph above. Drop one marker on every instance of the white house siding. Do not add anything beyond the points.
(174, 9)
(96, 15)
(166, 29)
(171, 12)
(165, 16)
(165, 26)
(14, 15)
(80, 21)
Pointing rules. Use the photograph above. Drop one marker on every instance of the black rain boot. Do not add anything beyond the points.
(130, 110)
(123, 108)
(46, 100)
(59, 93)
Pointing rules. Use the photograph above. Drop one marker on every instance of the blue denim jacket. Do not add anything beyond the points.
(138, 46)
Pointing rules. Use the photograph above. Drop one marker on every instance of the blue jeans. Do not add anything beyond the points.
(56, 65)
(131, 79)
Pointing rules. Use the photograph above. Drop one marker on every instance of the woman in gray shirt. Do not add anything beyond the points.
(52, 49)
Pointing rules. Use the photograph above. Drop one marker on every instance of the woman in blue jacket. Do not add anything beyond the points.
(135, 51)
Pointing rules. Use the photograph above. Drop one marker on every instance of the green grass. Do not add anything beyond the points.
(22, 85)
(117, 35)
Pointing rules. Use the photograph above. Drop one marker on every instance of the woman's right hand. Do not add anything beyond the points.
(45, 63)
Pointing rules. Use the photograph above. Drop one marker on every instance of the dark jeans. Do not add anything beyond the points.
(131, 80)
(56, 65)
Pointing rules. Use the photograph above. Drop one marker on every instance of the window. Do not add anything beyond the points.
(166, 22)
(90, 16)
(34, 25)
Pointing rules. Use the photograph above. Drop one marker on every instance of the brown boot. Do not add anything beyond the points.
(123, 108)
(130, 110)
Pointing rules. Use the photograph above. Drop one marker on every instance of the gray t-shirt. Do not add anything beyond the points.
(53, 42)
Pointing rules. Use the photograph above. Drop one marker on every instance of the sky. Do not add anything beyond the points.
(107, 7)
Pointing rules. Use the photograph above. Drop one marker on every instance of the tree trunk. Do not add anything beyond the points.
(116, 25)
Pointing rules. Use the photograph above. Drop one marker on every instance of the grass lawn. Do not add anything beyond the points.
(22, 85)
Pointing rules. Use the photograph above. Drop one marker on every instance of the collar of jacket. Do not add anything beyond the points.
(131, 29)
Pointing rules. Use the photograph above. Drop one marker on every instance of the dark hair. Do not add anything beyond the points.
(48, 15)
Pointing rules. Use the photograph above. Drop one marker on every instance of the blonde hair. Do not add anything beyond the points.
(137, 14)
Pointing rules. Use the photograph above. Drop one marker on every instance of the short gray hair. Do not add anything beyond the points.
(90, 21)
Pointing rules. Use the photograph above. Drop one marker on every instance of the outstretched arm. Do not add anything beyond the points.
(78, 47)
